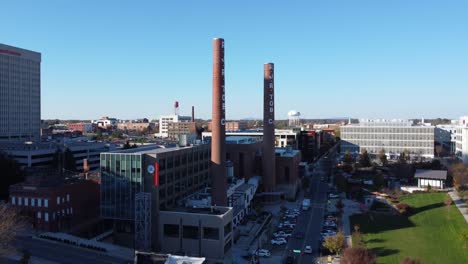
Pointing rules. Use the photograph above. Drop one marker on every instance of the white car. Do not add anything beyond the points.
(333, 196)
(282, 234)
(278, 241)
(308, 250)
(262, 253)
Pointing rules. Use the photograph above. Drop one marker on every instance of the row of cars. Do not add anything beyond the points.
(329, 227)
(286, 227)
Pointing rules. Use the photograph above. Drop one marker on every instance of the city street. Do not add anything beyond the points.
(310, 221)
(60, 253)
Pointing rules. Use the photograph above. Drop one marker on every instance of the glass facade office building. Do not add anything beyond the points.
(121, 179)
(182, 171)
(393, 136)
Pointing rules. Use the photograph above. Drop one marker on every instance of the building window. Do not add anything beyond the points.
(39, 202)
(26, 201)
(46, 203)
(13, 200)
(46, 217)
(58, 200)
(68, 197)
(227, 229)
(210, 233)
(71, 210)
(20, 201)
(33, 202)
(171, 230)
(191, 232)
(39, 215)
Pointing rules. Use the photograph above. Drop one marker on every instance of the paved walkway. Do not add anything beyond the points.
(350, 208)
(460, 204)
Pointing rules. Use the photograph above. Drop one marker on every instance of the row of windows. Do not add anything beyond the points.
(64, 212)
(26, 201)
(19, 201)
(194, 232)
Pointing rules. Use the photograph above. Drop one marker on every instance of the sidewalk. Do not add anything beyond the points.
(350, 208)
(460, 204)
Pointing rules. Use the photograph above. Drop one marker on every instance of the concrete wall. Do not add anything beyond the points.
(210, 248)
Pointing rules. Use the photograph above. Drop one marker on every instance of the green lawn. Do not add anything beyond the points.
(431, 233)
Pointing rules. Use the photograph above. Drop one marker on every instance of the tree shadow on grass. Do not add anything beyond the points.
(376, 223)
(427, 207)
(375, 240)
(382, 252)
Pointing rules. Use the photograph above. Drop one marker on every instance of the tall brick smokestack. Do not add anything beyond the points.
(268, 159)
(193, 113)
(218, 139)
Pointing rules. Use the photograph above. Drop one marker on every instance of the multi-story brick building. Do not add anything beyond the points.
(56, 203)
(82, 127)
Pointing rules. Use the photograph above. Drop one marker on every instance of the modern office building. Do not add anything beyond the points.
(20, 94)
(168, 176)
(393, 136)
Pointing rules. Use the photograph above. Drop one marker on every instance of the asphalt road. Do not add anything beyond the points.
(310, 222)
(63, 253)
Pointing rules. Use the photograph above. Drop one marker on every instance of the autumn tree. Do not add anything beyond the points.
(357, 255)
(383, 157)
(347, 157)
(459, 174)
(408, 260)
(335, 243)
(364, 159)
(10, 223)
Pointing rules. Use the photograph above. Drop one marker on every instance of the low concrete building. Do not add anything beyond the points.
(434, 178)
(202, 232)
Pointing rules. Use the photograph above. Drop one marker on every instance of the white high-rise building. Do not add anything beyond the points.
(393, 136)
(20, 94)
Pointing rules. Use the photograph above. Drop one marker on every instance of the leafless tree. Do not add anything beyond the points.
(10, 224)
(357, 255)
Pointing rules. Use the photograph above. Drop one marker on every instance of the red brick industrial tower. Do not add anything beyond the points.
(268, 160)
(218, 140)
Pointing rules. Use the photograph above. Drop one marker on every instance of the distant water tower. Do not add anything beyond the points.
(294, 118)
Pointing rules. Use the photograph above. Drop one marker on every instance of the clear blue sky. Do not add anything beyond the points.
(130, 59)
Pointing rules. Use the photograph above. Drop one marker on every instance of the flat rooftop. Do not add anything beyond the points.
(286, 153)
(150, 149)
(214, 210)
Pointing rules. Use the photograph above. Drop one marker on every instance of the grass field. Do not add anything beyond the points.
(431, 233)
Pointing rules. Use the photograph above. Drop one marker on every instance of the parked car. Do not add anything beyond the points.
(333, 196)
(281, 234)
(308, 249)
(279, 241)
(262, 253)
